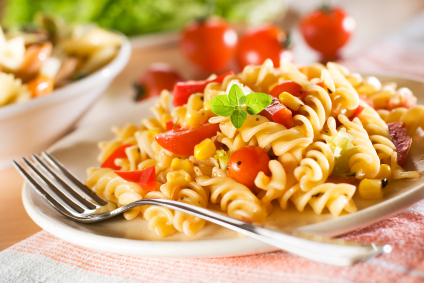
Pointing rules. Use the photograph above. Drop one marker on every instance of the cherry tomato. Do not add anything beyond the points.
(158, 77)
(262, 43)
(183, 141)
(210, 45)
(245, 163)
(327, 30)
(278, 113)
(291, 87)
(183, 90)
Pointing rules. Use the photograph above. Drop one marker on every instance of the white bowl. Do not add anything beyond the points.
(30, 127)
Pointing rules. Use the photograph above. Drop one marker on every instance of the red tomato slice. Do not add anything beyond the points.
(145, 178)
(357, 112)
(183, 90)
(183, 141)
(118, 153)
(291, 87)
(278, 113)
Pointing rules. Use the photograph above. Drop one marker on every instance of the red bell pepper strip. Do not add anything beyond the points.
(401, 140)
(183, 90)
(291, 87)
(118, 153)
(278, 113)
(145, 178)
(367, 100)
(183, 141)
(357, 112)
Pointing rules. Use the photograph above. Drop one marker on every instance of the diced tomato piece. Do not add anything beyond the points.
(357, 112)
(367, 100)
(145, 178)
(291, 87)
(118, 153)
(183, 141)
(278, 113)
(183, 90)
(401, 140)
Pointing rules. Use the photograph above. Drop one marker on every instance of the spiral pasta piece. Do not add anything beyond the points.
(160, 220)
(335, 197)
(280, 139)
(105, 183)
(344, 96)
(236, 199)
(412, 117)
(315, 168)
(365, 163)
(196, 195)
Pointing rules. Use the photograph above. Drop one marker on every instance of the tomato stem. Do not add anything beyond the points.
(325, 7)
(140, 91)
(288, 41)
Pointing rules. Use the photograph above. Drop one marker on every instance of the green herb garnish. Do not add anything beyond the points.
(233, 104)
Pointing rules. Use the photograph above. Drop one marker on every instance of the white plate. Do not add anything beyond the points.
(79, 151)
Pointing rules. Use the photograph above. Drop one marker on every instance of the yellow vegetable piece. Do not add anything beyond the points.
(290, 101)
(385, 172)
(195, 102)
(182, 164)
(205, 149)
(372, 188)
(195, 118)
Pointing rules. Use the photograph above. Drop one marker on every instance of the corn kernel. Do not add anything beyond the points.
(371, 188)
(178, 178)
(205, 149)
(196, 118)
(290, 101)
(195, 102)
(182, 164)
(208, 109)
(384, 172)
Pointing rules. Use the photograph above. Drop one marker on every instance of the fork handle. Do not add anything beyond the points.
(337, 252)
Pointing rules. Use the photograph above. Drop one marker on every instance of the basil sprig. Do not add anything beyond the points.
(233, 104)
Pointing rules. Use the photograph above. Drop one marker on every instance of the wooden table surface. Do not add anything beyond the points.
(376, 19)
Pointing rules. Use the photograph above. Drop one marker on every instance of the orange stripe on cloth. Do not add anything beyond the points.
(405, 232)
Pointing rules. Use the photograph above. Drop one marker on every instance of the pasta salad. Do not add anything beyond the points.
(308, 137)
(36, 60)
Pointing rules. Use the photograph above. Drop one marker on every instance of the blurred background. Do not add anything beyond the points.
(374, 18)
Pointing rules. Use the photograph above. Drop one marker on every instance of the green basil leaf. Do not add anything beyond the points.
(236, 95)
(221, 106)
(256, 102)
(238, 117)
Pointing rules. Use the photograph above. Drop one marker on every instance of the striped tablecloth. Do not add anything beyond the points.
(45, 258)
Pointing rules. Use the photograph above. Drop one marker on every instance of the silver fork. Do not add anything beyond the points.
(70, 197)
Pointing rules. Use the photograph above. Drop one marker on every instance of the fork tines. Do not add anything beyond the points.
(58, 186)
